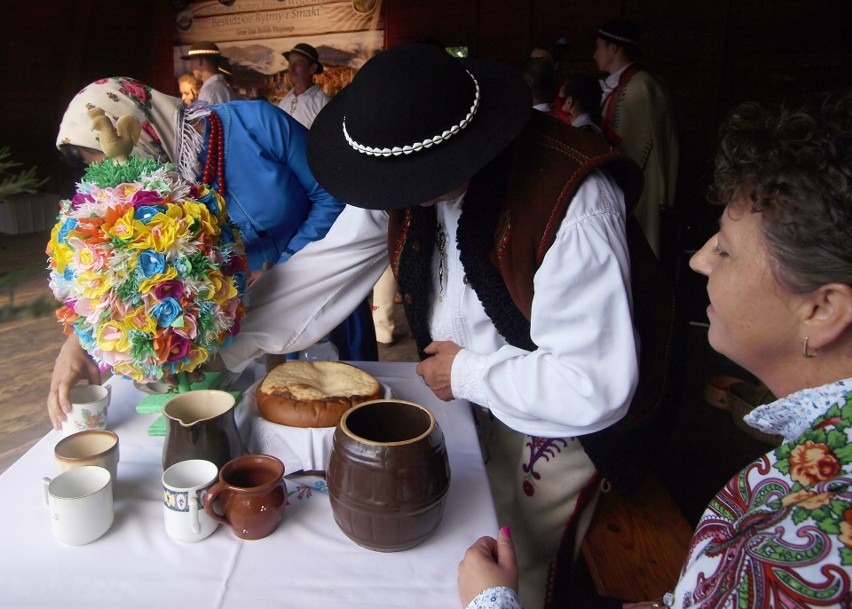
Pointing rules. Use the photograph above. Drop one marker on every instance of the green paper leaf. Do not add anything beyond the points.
(183, 382)
(110, 173)
(154, 403)
(158, 427)
(211, 381)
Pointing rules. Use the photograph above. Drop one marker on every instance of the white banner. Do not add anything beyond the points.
(254, 34)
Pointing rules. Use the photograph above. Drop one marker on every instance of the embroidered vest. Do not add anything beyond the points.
(611, 102)
(510, 216)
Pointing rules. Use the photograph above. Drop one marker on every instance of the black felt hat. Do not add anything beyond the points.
(202, 48)
(415, 123)
(620, 31)
(308, 51)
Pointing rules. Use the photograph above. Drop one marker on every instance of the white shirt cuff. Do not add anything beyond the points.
(498, 597)
(466, 377)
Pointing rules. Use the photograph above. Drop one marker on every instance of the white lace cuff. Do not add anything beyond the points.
(498, 597)
(467, 377)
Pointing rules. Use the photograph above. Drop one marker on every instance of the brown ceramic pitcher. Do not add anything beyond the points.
(201, 425)
(251, 495)
(388, 474)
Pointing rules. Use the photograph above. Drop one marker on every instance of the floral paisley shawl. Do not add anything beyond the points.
(119, 96)
(779, 534)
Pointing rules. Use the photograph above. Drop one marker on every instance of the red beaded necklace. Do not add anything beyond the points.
(215, 154)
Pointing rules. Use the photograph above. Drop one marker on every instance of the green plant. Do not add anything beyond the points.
(12, 182)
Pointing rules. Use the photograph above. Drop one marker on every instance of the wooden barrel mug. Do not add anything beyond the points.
(388, 474)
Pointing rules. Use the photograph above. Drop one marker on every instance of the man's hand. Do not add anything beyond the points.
(72, 365)
(486, 564)
(437, 370)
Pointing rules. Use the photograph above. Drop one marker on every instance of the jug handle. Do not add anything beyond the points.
(211, 496)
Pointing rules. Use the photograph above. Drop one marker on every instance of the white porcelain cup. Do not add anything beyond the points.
(89, 406)
(91, 447)
(80, 502)
(184, 486)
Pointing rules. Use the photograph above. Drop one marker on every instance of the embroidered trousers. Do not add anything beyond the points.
(536, 484)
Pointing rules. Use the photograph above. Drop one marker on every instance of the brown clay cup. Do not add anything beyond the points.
(388, 474)
(251, 494)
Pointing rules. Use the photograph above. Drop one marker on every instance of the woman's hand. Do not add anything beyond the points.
(486, 564)
(72, 365)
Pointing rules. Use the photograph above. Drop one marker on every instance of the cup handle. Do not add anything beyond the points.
(211, 496)
(45, 484)
(194, 521)
(109, 394)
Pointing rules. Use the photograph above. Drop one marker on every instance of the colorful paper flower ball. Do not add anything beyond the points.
(150, 271)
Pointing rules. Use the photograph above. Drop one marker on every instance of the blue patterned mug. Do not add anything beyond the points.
(185, 484)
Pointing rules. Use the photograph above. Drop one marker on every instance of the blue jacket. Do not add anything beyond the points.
(272, 195)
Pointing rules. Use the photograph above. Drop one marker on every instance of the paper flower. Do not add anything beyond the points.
(149, 269)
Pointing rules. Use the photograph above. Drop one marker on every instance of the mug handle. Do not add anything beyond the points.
(194, 521)
(211, 496)
(109, 395)
(45, 484)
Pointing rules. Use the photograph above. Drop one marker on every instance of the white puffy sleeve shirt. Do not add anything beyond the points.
(580, 379)
(295, 304)
(584, 373)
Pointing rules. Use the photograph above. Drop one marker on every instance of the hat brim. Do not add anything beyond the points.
(188, 57)
(287, 54)
(395, 182)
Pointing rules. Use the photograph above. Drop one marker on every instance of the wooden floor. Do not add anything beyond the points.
(30, 338)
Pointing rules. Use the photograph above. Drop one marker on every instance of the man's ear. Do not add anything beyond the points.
(827, 314)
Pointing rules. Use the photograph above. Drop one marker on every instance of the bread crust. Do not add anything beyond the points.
(303, 393)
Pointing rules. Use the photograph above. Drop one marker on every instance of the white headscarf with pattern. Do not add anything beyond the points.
(120, 96)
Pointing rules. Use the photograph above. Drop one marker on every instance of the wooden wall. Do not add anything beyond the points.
(50, 49)
(711, 54)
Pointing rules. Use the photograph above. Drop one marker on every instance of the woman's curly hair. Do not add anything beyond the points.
(795, 166)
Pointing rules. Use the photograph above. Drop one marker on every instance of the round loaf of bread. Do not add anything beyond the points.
(302, 393)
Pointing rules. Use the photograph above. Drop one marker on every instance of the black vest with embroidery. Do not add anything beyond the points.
(510, 215)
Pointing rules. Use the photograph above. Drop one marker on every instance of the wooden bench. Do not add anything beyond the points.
(636, 545)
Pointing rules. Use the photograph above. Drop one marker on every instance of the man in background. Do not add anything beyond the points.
(304, 101)
(204, 60)
(637, 121)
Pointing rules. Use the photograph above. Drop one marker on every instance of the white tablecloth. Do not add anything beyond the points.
(307, 562)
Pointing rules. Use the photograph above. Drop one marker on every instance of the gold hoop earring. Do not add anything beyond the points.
(805, 353)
